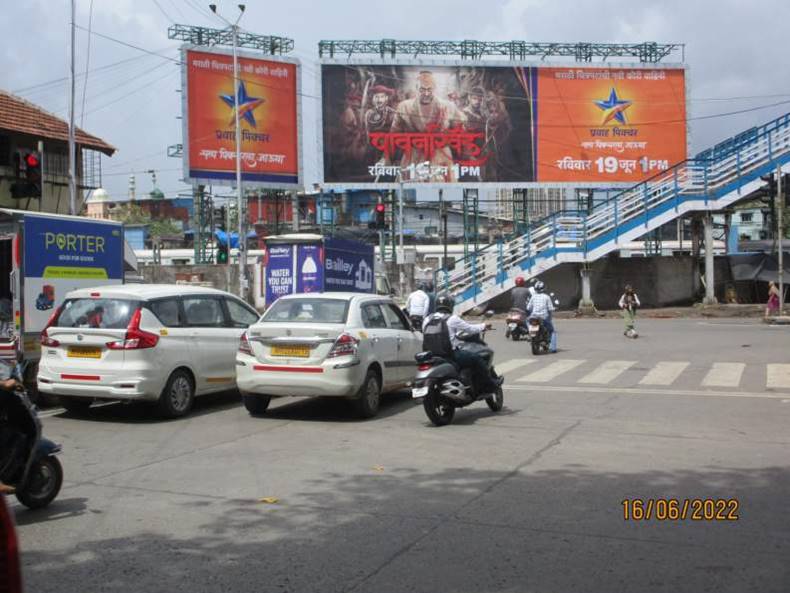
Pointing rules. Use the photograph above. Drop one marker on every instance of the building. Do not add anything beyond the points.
(23, 126)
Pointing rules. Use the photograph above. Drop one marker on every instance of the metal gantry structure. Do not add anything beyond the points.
(209, 37)
(646, 52)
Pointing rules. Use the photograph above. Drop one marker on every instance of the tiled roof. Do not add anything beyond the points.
(21, 116)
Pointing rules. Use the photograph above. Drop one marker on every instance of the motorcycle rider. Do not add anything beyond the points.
(7, 384)
(418, 304)
(541, 306)
(445, 304)
(520, 295)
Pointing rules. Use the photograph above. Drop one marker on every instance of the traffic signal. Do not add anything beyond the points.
(380, 218)
(27, 169)
(222, 253)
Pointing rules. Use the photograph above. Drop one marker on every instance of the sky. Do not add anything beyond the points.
(736, 53)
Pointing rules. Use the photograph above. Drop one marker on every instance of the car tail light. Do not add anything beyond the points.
(53, 319)
(135, 339)
(425, 366)
(345, 345)
(244, 345)
(10, 573)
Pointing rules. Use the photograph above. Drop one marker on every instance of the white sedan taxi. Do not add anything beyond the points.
(350, 345)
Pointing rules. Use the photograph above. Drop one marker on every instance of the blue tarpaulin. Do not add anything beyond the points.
(222, 238)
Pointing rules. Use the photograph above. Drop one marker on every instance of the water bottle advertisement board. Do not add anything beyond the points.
(309, 265)
(279, 272)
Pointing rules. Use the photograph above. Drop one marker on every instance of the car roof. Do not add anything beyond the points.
(143, 291)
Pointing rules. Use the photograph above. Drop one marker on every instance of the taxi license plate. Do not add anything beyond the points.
(292, 351)
(419, 392)
(84, 352)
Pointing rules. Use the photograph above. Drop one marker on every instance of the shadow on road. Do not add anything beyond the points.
(336, 409)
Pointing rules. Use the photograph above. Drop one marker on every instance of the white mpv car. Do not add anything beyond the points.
(330, 344)
(142, 342)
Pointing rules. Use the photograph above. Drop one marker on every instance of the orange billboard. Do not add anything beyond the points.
(267, 96)
(609, 124)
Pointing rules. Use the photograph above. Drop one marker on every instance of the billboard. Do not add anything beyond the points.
(269, 111)
(499, 124)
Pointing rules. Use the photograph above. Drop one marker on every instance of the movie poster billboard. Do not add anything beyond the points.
(269, 112)
(383, 124)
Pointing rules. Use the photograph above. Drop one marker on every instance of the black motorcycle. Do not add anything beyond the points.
(27, 460)
(516, 324)
(538, 335)
(443, 386)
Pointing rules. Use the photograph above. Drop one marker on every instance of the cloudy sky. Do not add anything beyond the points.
(736, 51)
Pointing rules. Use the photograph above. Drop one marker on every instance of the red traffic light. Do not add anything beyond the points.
(380, 207)
(31, 160)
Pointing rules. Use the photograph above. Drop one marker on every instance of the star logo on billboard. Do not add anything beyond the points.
(247, 105)
(614, 108)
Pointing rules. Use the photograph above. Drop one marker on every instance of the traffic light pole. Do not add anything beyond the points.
(72, 141)
(780, 233)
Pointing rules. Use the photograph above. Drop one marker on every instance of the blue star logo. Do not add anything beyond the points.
(247, 105)
(614, 108)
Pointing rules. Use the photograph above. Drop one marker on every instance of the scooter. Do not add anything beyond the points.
(27, 461)
(443, 386)
(516, 322)
(538, 335)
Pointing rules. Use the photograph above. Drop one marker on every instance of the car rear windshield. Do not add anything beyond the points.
(307, 311)
(96, 313)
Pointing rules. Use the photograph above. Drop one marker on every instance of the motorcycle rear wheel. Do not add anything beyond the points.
(496, 403)
(438, 412)
(43, 483)
(535, 347)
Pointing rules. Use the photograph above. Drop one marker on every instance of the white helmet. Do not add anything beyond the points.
(539, 286)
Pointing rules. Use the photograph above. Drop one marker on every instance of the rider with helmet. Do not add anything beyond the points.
(445, 304)
(541, 306)
(520, 295)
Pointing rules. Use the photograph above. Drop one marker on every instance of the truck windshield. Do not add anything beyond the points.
(307, 310)
(96, 313)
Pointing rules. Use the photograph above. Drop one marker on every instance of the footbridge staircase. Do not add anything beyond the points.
(711, 181)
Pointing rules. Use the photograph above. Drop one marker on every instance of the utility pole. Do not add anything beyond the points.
(72, 142)
(779, 231)
(242, 250)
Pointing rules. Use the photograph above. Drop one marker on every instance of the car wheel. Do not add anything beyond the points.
(75, 405)
(178, 395)
(43, 483)
(256, 404)
(369, 396)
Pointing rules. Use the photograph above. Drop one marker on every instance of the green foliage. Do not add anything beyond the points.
(134, 214)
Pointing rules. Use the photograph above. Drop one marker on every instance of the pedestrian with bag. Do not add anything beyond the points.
(629, 303)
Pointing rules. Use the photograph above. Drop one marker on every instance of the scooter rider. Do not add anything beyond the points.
(541, 306)
(520, 295)
(445, 304)
(7, 385)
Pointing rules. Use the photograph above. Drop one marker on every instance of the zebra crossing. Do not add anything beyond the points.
(632, 373)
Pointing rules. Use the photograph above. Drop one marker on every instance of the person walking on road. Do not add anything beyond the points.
(772, 306)
(628, 303)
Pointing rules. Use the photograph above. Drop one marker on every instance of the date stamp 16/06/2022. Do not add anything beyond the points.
(680, 509)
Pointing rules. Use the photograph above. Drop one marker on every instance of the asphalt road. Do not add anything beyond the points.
(529, 499)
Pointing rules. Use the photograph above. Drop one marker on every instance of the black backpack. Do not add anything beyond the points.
(436, 336)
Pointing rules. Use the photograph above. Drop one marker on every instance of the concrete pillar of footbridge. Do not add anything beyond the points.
(710, 295)
(586, 305)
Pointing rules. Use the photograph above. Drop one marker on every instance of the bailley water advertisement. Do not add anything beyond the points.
(279, 272)
(348, 266)
(310, 272)
(62, 255)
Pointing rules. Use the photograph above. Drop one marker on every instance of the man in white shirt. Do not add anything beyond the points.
(418, 305)
(541, 306)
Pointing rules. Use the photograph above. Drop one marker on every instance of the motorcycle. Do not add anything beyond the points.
(443, 386)
(516, 322)
(27, 461)
(538, 335)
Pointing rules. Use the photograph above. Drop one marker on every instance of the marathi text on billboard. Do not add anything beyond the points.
(383, 124)
(267, 101)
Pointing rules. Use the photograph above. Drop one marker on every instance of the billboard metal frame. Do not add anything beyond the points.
(248, 183)
(490, 185)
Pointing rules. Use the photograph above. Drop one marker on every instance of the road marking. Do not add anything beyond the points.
(511, 365)
(778, 376)
(638, 391)
(724, 374)
(552, 371)
(608, 371)
(664, 373)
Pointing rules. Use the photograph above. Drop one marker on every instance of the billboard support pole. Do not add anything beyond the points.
(780, 235)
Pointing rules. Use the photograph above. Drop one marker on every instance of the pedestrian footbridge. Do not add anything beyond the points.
(709, 182)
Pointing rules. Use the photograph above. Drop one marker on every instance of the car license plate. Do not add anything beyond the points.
(84, 352)
(419, 392)
(511, 326)
(292, 351)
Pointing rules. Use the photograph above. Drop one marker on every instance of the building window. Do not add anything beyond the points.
(5, 151)
(746, 217)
